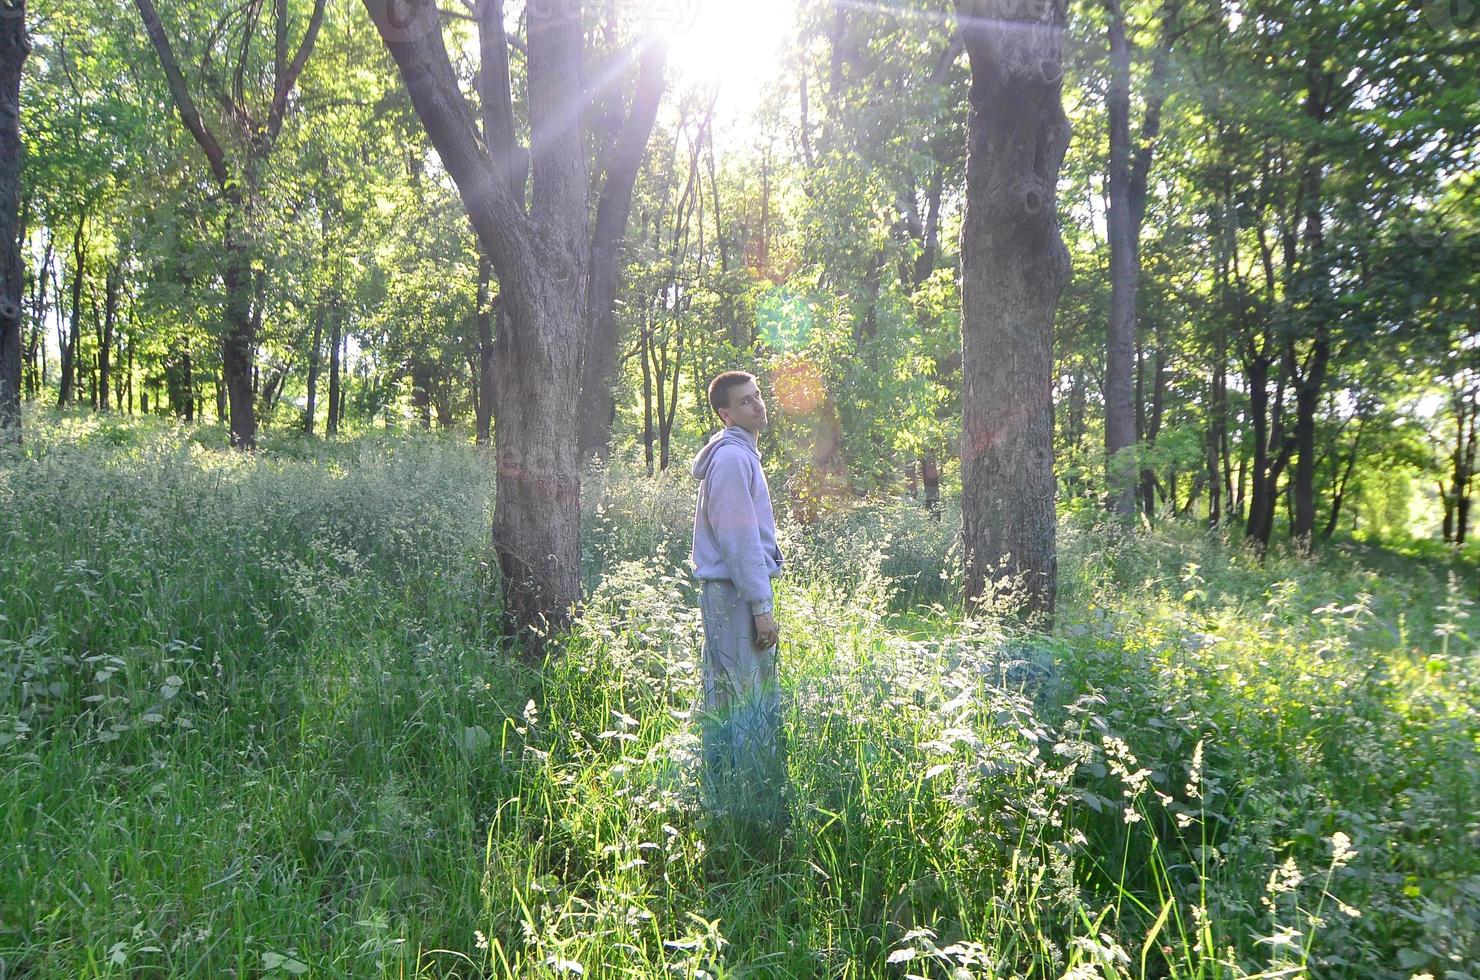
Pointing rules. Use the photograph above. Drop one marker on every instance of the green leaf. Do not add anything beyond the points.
(1410, 959)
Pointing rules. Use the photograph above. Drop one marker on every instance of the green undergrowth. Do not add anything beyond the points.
(255, 721)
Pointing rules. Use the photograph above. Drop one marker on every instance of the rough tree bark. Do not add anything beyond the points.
(1014, 266)
(15, 45)
(484, 315)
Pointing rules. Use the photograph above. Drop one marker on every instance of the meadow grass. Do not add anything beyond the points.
(255, 721)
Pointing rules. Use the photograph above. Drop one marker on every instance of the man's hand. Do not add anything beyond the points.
(767, 634)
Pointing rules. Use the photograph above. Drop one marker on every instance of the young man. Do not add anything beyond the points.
(735, 557)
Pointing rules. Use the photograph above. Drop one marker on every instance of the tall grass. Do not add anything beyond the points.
(254, 721)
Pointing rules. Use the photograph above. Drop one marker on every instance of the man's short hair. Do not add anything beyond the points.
(719, 388)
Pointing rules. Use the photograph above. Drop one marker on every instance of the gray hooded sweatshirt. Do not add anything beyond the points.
(734, 527)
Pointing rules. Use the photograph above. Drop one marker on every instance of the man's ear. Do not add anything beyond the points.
(724, 416)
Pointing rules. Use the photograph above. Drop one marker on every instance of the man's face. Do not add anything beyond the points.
(746, 409)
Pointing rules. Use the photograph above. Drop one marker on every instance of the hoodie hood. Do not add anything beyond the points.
(732, 435)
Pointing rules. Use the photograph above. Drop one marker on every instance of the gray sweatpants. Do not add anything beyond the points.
(744, 754)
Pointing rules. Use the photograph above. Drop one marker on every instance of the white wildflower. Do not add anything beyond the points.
(1194, 777)
(1341, 850)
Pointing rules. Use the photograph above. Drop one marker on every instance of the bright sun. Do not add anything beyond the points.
(731, 44)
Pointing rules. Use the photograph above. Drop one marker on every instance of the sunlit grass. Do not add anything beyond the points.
(254, 722)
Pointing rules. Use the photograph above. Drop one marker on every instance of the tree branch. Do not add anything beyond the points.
(560, 189)
(285, 80)
(414, 38)
(184, 104)
(947, 58)
(238, 82)
(624, 156)
(279, 43)
(1156, 93)
(495, 91)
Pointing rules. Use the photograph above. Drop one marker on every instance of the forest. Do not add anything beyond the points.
(1122, 360)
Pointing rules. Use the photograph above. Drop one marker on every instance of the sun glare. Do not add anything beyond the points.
(736, 46)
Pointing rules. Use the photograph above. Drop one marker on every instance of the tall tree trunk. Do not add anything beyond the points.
(1157, 410)
(1272, 447)
(310, 409)
(331, 424)
(239, 338)
(15, 45)
(1343, 480)
(667, 415)
(1221, 505)
(1129, 170)
(1217, 438)
(105, 345)
(187, 382)
(1014, 266)
(537, 511)
(1310, 379)
(930, 477)
(315, 358)
(1307, 399)
(421, 393)
(1325, 94)
(32, 366)
(1241, 488)
(763, 253)
(485, 352)
(1466, 489)
(36, 347)
(92, 362)
(239, 341)
(74, 327)
(1457, 499)
(343, 409)
(442, 405)
(1258, 528)
(128, 397)
(647, 395)
(1120, 329)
